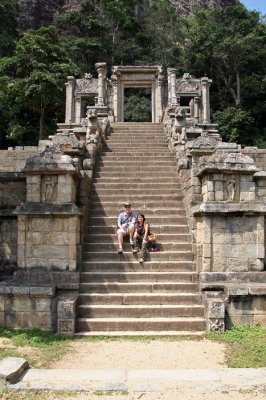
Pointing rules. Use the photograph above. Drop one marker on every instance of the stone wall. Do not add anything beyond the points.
(230, 243)
(48, 242)
(12, 194)
(28, 307)
(14, 159)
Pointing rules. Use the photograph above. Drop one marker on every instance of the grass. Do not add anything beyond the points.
(38, 347)
(246, 346)
(36, 395)
(111, 393)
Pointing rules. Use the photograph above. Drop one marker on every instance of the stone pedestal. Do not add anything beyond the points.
(49, 221)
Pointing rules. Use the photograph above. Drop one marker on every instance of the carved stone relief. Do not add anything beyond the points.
(231, 188)
(49, 185)
(87, 85)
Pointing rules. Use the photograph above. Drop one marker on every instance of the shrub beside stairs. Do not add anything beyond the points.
(118, 295)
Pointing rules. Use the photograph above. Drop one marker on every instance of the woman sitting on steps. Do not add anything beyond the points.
(142, 230)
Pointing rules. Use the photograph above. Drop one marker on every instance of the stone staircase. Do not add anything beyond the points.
(118, 295)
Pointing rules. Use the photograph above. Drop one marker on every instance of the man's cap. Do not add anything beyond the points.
(127, 204)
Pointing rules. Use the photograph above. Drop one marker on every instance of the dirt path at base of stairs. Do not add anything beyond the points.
(154, 354)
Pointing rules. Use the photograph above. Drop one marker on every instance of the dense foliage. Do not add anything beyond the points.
(228, 45)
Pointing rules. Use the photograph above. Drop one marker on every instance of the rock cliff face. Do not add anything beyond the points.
(35, 13)
(186, 6)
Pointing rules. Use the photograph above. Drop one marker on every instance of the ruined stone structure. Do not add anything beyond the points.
(205, 198)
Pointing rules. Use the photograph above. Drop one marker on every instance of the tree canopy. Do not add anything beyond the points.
(226, 44)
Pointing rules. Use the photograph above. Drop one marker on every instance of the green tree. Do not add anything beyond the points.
(226, 43)
(229, 46)
(137, 105)
(235, 125)
(8, 26)
(161, 34)
(36, 74)
(101, 31)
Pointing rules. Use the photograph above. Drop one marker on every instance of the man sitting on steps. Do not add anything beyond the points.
(126, 226)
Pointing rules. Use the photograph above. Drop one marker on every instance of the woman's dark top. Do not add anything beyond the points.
(141, 229)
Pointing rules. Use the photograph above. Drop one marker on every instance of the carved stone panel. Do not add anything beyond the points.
(49, 185)
(231, 188)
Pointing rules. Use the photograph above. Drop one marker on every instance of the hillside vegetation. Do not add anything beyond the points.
(226, 44)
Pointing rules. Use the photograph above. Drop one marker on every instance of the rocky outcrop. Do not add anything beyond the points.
(35, 13)
(186, 6)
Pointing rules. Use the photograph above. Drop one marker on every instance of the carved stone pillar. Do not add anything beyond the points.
(215, 311)
(172, 73)
(196, 109)
(115, 99)
(101, 69)
(205, 84)
(78, 110)
(70, 86)
(159, 107)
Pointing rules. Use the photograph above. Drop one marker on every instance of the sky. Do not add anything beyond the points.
(258, 5)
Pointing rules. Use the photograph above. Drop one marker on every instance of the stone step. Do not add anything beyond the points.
(132, 193)
(106, 173)
(129, 256)
(139, 158)
(139, 324)
(145, 138)
(140, 153)
(120, 146)
(144, 144)
(112, 238)
(141, 298)
(140, 287)
(151, 204)
(132, 179)
(147, 170)
(140, 276)
(166, 229)
(137, 185)
(137, 126)
(110, 221)
(134, 266)
(140, 311)
(162, 246)
(138, 198)
(154, 133)
(113, 211)
(138, 163)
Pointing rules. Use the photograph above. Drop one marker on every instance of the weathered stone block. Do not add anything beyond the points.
(66, 327)
(216, 309)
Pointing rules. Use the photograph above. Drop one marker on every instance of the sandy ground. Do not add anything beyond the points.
(159, 354)
(151, 354)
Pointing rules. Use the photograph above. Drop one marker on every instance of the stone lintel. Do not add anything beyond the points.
(12, 176)
(222, 169)
(260, 175)
(7, 214)
(27, 290)
(224, 207)
(212, 277)
(137, 68)
(257, 290)
(68, 125)
(46, 209)
(61, 279)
